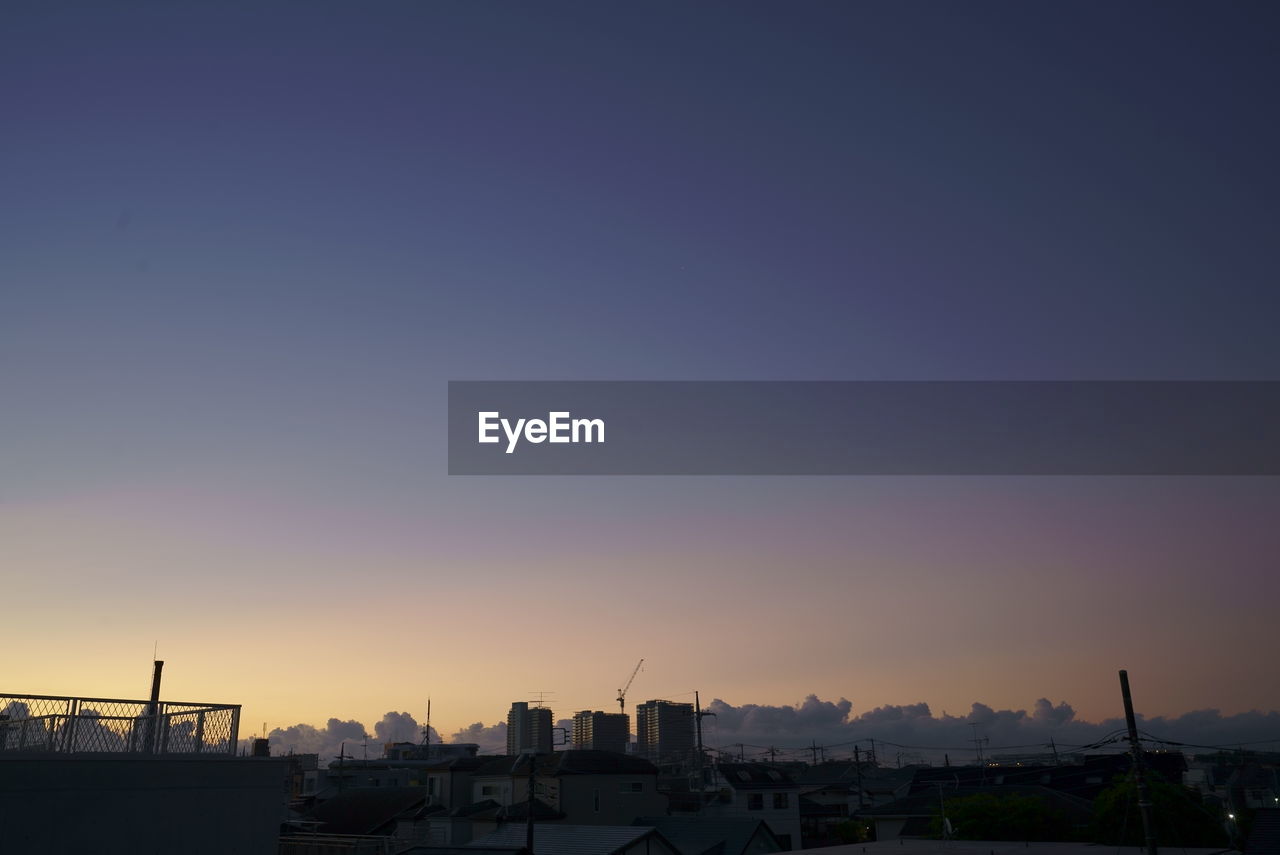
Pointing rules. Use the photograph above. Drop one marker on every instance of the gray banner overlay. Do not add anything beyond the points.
(864, 428)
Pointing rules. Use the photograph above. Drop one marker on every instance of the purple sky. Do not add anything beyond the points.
(243, 250)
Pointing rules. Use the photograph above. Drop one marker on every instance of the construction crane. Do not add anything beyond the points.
(622, 693)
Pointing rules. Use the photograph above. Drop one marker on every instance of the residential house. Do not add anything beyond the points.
(588, 787)
(761, 792)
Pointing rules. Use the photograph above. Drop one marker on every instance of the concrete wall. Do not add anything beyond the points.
(128, 804)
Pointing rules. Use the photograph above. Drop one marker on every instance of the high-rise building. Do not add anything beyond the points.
(664, 731)
(528, 729)
(601, 731)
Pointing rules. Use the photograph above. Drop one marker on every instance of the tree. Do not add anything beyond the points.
(1005, 817)
(1179, 815)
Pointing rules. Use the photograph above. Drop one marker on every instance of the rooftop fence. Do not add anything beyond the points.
(114, 726)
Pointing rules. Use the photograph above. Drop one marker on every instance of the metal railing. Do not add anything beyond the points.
(112, 725)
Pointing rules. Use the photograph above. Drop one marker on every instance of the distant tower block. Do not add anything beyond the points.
(528, 729)
(664, 731)
(601, 731)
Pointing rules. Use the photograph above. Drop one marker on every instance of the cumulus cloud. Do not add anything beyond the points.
(916, 732)
(491, 739)
(401, 727)
(911, 732)
(325, 741)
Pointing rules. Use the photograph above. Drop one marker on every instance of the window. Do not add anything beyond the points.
(488, 790)
(755, 801)
(779, 801)
(631, 787)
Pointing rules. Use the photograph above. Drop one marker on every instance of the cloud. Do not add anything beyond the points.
(1046, 713)
(916, 733)
(491, 739)
(784, 722)
(905, 732)
(401, 727)
(326, 741)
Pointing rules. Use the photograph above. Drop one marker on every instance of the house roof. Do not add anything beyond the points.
(455, 764)
(578, 839)
(433, 809)
(583, 762)
(710, 835)
(832, 774)
(476, 808)
(755, 776)
(574, 762)
(366, 810)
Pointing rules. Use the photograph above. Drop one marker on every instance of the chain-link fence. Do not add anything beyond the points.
(45, 723)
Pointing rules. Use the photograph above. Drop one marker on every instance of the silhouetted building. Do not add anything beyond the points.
(120, 777)
(528, 729)
(664, 731)
(601, 731)
(583, 787)
(428, 751)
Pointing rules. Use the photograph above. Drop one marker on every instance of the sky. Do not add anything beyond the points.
(243, 249)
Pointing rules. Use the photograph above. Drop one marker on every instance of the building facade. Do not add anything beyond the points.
(664, 731)
(601, 731)
(528, 729)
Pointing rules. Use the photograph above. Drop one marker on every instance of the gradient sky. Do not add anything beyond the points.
(243, 249)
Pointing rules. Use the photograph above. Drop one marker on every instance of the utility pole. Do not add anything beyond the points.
(528, 828)
(977, 744)
(1144, 792)
(698, 714)
(977, 741)
(857, 764)
(946, 823)
(426, 729)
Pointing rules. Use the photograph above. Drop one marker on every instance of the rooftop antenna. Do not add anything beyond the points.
(426, 729)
